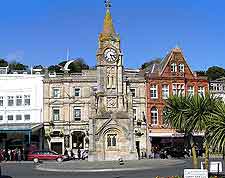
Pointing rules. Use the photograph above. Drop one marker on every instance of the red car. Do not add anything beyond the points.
(44, 155)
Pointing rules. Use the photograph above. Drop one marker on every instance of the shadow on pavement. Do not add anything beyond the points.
(3, 176)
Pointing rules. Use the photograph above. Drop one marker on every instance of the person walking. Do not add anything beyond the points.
(19, 156)
(79, 153)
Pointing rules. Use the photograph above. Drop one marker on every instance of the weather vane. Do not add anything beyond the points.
(108, 4)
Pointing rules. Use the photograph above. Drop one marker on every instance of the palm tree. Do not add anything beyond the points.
(190, 114)
(216, 128)
(176, 115)
(201, 109)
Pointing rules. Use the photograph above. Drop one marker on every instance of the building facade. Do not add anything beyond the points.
(21, 110)
(172, 76)
(217, 87)
(101, 110)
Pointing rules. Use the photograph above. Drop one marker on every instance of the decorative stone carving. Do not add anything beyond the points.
(111, 102)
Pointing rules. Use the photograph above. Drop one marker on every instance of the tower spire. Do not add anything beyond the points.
(108, 27)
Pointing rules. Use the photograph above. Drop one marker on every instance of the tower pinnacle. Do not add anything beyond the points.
(108, 4)
(108, 27)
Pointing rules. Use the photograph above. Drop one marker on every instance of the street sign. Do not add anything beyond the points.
(215, 166)
(195, 173)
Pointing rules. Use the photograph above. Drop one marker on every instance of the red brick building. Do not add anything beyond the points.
(169, 77)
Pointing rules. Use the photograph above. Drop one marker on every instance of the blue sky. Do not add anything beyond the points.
(40, 31)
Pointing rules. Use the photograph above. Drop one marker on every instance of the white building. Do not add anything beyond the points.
(21, 110)
(217, 87)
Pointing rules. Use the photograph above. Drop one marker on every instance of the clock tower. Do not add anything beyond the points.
(111, 126)
(109, 66)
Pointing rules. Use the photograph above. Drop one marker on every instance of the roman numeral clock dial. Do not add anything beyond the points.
(110, 55)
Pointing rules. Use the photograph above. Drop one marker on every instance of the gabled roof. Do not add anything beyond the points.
(158, 69)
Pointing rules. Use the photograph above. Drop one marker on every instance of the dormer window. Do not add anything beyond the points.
(173, 67)
(181, 68)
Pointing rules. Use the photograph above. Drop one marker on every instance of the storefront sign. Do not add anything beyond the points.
(215, 166)
(195, 173)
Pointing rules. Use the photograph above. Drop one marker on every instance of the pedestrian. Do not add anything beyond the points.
(16, 154)
(79, 153)
(19, 155)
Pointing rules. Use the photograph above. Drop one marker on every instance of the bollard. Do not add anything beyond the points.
(121, 161)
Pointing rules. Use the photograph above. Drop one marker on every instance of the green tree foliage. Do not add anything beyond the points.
(215, 72)
(190, 114)
(146, 64)
(3, 63)
(17, 66)
(55, 68)
(38, 67)
(216, 128)
(75, 67)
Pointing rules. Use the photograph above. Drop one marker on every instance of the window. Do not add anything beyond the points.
(55, 113)
(56, 93)
(77, 114)
(178, 89)
(201, 91)
(10, 100)
(190, 90)
(1, 117)
(133, 91)
(18, 117)
(27, 100)
(77, 92)
(173, 67)
(181, 68)
(153, 92)
(111, 140)
(18, 100)
(27, 117)
(165, 91)
(1, 100)
(135, 114)
(154, 115)
(10, 117)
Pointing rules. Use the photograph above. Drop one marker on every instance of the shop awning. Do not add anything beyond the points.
(20, 127)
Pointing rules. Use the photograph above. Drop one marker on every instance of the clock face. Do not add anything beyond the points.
(110, 54)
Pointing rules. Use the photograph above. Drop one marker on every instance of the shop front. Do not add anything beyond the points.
(20, 136)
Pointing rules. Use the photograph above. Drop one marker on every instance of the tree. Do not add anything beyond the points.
(146, 64)
(216, 128)
(215, 72)
(55, 68)
(17, 66)
(176, 116)
(3, 63)
(38, 67)
(75, 67)
(190, 114)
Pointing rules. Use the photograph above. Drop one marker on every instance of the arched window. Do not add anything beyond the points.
(154, 115)
(173, 67)
(111, 140)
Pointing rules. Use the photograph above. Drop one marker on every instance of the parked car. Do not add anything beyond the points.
(172, 152)
(36, 156)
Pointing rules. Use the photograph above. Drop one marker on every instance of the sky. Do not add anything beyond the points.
(37, 32)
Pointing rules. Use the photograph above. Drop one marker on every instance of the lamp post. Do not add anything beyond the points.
(146, 134)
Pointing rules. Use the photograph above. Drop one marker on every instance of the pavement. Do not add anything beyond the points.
(107, 166)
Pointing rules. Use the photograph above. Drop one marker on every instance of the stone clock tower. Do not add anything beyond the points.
(111, 127)
(109, 67)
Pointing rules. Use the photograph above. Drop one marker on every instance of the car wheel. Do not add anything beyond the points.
(59, 160)
(36, 160)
